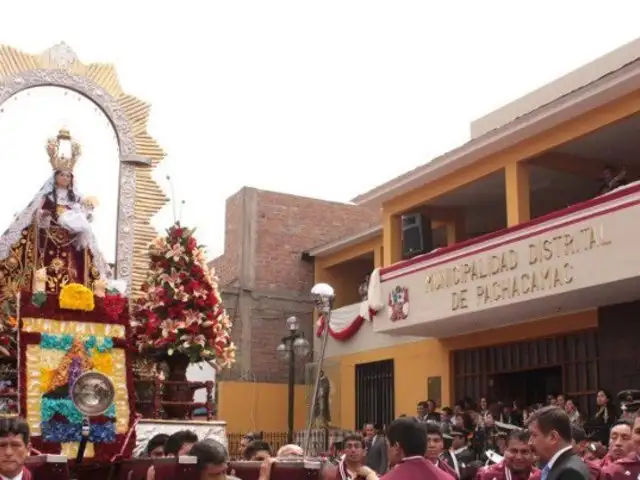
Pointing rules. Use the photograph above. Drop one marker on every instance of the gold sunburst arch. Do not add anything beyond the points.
(140, 197)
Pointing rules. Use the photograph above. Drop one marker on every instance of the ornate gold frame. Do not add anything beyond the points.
(140, 197)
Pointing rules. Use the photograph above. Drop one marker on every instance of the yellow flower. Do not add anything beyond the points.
(76, 297)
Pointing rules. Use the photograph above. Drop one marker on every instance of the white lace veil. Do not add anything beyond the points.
(25, 218)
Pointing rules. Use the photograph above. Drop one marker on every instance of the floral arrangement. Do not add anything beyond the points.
(77, 297)
(181, 310)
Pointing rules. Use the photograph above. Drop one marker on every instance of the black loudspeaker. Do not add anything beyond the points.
(417, 237)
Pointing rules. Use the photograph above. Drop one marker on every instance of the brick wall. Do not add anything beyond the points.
(288, 225)
(227, 265)
(265, 236)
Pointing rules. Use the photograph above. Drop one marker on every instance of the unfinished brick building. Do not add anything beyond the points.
(263, 276)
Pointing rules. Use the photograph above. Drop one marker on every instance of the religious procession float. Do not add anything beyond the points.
(75, 328)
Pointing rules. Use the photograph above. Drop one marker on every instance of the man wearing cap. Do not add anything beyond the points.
(517, 463)
(459, 455)
(627, 468)
(629, 403)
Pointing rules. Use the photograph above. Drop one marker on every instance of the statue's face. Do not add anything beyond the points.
(63, 179)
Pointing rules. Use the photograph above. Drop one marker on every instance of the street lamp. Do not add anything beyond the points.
(292, 346)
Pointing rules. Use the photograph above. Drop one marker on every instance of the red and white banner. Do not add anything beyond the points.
(346, 321)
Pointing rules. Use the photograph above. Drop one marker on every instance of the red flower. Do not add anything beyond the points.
(192, 244)
(212, 299)
(114, 305)
(193, 328)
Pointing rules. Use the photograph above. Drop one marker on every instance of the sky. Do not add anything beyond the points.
(324, 99)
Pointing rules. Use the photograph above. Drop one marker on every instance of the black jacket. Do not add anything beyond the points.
(569, 466)
(464, 457)
(377, 459)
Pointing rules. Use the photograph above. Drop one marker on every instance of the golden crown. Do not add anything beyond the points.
(60, 162)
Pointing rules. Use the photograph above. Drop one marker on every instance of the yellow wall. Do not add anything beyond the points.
(415, 362)
(247, 406)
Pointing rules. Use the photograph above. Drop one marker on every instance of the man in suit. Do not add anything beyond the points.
(377, 454)
(550, 437)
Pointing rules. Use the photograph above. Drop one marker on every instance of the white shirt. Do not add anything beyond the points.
(556, 455)
(17, 477)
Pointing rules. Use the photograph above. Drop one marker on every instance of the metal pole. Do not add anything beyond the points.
(314, 399)
(292, 374)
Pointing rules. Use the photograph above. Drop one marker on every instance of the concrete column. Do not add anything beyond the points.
(517, 193)
(378, 256)
(391, 238)
(456, 230)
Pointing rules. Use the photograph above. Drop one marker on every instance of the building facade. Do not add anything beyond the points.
(528, 279)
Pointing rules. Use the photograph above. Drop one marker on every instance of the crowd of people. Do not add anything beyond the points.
(490, 441)
(487, 442)
(495, 441)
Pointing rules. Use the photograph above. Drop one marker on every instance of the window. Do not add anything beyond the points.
(374, 393)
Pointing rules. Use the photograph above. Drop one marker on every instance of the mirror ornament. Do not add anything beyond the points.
(140, 197)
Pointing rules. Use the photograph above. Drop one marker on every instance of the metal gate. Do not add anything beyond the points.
(374, 393)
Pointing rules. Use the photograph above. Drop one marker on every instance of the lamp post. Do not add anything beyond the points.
(292, 346)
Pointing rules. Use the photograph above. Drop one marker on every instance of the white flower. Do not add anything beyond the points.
(200, 293)
(171, 280)
(175, 253)
(192, 316)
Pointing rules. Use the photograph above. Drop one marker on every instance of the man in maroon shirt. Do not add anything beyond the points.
(14, 449)
(517, 463)
(407, 446)
(626, 468)
(435, 449)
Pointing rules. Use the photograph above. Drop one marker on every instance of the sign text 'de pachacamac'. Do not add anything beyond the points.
(511, 273)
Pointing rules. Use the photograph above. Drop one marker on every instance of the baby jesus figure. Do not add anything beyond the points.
(77, 219)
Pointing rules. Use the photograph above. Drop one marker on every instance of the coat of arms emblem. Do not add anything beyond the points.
(398, 303)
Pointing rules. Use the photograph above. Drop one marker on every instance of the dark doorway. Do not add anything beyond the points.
(528, 387)
(477, 371)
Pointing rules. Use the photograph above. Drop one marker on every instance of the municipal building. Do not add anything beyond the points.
(506, 267)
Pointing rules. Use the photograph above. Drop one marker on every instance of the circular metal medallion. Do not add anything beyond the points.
(93, 393)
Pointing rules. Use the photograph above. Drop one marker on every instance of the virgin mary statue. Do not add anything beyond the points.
(53, 234)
